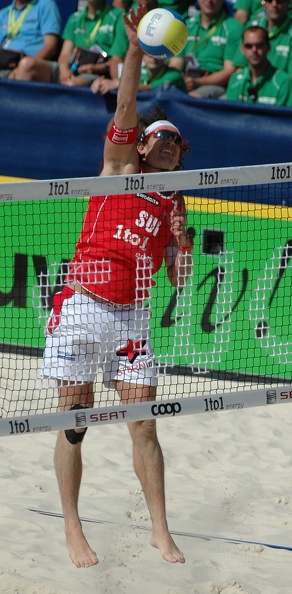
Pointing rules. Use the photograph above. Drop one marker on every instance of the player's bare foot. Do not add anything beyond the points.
(167, 547)
(79, 550)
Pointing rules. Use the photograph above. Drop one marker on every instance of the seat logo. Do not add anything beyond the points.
(169, 408)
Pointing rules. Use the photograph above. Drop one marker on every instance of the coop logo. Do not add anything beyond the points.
(271, 396)
(170, 408)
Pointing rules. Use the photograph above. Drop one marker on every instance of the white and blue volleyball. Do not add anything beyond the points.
(162, 33)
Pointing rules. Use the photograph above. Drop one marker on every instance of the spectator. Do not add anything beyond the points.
(207, 58)
(154, 74)
(96, 27)
(245, 10)
(279, 26)
(259, 82)
(33, 28)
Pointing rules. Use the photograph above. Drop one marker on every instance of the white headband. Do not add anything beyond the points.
(165, 124)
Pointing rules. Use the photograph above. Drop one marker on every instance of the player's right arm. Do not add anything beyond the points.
(120, 153)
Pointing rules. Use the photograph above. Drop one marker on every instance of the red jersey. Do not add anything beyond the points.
(122, 244)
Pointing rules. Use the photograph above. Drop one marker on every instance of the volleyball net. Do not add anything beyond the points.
(222, 339)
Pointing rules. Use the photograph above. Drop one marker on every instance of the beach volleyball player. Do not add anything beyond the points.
(99, 320)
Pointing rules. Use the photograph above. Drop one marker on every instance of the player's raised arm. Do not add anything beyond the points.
(120, 154)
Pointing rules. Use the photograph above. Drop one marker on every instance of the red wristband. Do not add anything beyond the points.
(186, 248)
(118, 136)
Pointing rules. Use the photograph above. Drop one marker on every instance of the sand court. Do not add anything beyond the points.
(227, 477)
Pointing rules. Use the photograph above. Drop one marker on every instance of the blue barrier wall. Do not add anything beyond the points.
(51, 131)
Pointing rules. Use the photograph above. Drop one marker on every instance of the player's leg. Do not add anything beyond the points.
(68, 466)
(149, 467)
(72, 356)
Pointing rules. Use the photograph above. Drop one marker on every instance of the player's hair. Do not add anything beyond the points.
(159, 114)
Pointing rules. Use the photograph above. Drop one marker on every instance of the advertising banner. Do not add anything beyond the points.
(234, 315)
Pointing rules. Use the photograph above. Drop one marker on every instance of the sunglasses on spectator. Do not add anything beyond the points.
(166, 134)
(258, 45)
(277, 1)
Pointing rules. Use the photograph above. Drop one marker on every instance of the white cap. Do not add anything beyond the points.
(161, 124)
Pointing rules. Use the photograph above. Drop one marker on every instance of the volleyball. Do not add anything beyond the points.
(162, 33)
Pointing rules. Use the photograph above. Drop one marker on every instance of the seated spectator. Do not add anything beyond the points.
(32, 28)
(207, 58)
(245, 10)
(259, 82)
(279, 26)
(98, 28)
(154, 74)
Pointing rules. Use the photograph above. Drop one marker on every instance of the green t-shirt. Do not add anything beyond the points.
(280, 52)
(272, 88)
(170, 77)
(252, 7)
(211, 47)
(107, 30)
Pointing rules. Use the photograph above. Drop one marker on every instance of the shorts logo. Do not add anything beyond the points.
(133, 350)
(67, 356)
(170, 408)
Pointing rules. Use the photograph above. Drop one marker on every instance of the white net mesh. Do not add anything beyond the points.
(225, 328)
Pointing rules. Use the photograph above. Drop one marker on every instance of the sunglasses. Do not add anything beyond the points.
(258, 45)
(166, 134)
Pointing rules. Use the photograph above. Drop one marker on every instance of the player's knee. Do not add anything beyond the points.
(143, 430)
(74, 437)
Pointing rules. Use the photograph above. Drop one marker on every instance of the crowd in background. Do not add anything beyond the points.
(236, 52)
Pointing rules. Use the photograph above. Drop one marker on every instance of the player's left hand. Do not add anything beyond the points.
(132, 21)
(178, 224)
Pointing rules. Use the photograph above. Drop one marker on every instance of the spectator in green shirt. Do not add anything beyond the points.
(97, 26)
(207, 58)
(259, 82)
(279, 26)
(154, 74)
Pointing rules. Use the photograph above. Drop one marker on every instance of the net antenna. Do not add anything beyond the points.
(222, 340)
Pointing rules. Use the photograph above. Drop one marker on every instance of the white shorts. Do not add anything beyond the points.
(89, 336)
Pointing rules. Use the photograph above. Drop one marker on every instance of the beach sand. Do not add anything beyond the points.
(228, 476)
